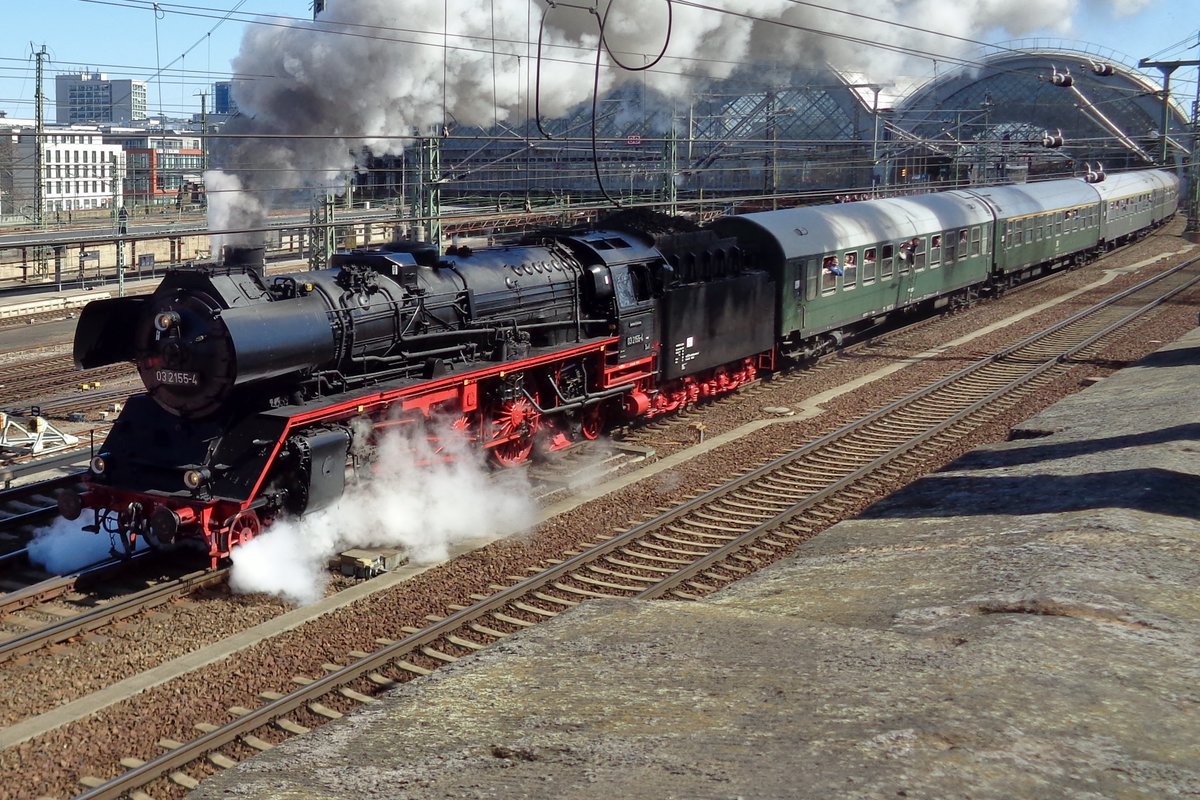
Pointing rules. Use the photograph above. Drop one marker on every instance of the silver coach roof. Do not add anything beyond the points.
(1031, 198)
(824, 229)
(1126, 184)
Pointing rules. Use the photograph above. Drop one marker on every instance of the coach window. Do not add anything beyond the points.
(949, 251)
(976, 238)
(935, 251)
(885, 266)
(868, 266)
(828, 276)
(1058, 223)
(811, 279)
(850, 270)
(919, 254)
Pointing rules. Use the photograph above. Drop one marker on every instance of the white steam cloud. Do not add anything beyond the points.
(65, 547)
(370, 73)
(419, 500)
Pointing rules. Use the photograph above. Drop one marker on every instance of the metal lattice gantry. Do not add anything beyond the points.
(809, 132)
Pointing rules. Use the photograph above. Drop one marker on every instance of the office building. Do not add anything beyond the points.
(93, 98)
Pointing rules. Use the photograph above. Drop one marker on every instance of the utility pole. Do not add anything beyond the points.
(122, 217)
(769, 160)
(1192, 230)
(203, 131)
(39, 158)
(1166, 68)
(875, 176)
(429, 192)
(321, 233)
(672, 188)
(39, 136)
(1193, 172)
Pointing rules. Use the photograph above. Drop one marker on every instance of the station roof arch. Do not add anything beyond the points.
(1105, 108)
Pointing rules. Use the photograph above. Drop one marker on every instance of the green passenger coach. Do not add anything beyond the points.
(845, 268)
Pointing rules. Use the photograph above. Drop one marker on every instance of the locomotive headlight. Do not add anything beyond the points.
(98, 464)
(195, 478)
(165, 320)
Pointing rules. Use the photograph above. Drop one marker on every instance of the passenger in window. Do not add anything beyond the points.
(832, 266)
(937, 241)
(851, 260)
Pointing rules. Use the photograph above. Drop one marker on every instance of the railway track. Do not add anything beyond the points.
(91, 619)
(23, 509)
(56, 388)
(686, 552)
(29, 590)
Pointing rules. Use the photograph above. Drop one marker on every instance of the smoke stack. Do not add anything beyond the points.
(245, 257)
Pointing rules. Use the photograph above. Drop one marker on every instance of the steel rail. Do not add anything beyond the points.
(366, 665)
(96, 618)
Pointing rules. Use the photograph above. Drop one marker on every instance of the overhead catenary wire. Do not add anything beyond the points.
(349, 29)
(447, 47)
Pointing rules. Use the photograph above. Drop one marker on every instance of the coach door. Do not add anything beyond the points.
(909, 261)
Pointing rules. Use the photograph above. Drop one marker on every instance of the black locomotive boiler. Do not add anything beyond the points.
(258, 389)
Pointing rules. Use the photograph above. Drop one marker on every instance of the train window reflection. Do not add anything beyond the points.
(811, 280)
(868, 266)
(850, 270)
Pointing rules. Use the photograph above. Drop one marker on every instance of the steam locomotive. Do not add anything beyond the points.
(265, 395)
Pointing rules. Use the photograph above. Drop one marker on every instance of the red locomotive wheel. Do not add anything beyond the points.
(513, 452)
(243, 527)
(592, 424)
(516, 416)
(520, 420)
